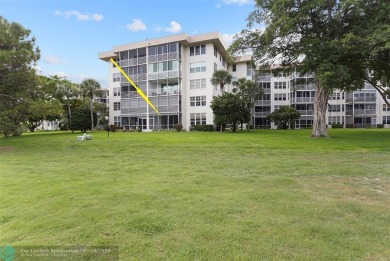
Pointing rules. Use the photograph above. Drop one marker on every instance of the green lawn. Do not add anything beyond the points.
(262, 195)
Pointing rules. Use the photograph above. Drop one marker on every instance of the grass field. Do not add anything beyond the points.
(262, 195)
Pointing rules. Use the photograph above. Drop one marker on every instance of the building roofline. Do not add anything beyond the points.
(184, 39)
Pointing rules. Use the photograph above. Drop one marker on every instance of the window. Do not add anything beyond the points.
(132, 70)
(197, 67)
(116, 77)
(335, 96)
(117, 106)
(161, 49)
(334, 108)
(386, 120)
(223, 62)
(196, 101)
(280, 97)
(142, 52)
(152, 50)
(335, 119)
(197, 118)
(197, 50)
(163, 66)
(265, 85)
(215, 51)
(117, 91)
(117, 121)
(234, 67)
(280, 85)
(173, 47)
(124, 55)
(133, 54)
(215, 67)
(386, 107)
(142, 69)
(198, 84)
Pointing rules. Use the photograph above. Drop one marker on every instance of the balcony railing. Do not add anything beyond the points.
(164, 75)
(360, 112)
(261, 114)
(262, 102)
(267, 90)
(135, 77)
(302, 100)
(306, 112)
(306, 87)
(163, 57)
(365, 99)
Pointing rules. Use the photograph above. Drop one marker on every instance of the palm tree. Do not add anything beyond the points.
(249, 90)
(88, 89)
(221, 77)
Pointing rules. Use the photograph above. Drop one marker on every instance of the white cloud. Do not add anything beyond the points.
(80, 16)
(51, 59)
(174, 28)
(136, 25)
(232, 2)
(61, 74)
(238, 2)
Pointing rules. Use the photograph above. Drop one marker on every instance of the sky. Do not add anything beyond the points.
(71, 33)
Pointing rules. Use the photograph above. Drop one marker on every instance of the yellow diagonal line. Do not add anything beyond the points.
(140, 92)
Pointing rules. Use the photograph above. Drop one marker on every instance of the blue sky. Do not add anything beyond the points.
(71, 33)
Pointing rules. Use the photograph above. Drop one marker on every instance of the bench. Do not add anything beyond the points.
(84, 137)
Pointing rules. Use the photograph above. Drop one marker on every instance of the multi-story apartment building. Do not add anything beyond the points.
(175, 71)
(362, 108)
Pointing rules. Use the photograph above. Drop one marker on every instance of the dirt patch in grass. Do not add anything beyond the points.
(373, 190)
(7, 148)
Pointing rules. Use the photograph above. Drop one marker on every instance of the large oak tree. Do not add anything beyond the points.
(343, 42)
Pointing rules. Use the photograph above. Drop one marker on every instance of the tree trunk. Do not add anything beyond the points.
(91, 116)
(320, 107)
(69, 114)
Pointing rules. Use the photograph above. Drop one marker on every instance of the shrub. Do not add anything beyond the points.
(178, 127)
(337, 126)
(113, 127)
(380, 126)
(204, 127)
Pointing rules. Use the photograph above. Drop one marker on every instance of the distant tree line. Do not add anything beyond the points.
(27, 99)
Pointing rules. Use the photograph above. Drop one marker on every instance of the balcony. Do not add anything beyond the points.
(164, 57)
(134, 78)
(261, 114)
(302, 100)
(365, 99)
(262, 102)
(164, 75)
(306, 112)
(303, 87)
(364, 112)
(267, 90)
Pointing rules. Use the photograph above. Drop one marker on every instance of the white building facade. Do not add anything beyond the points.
(174, 72)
